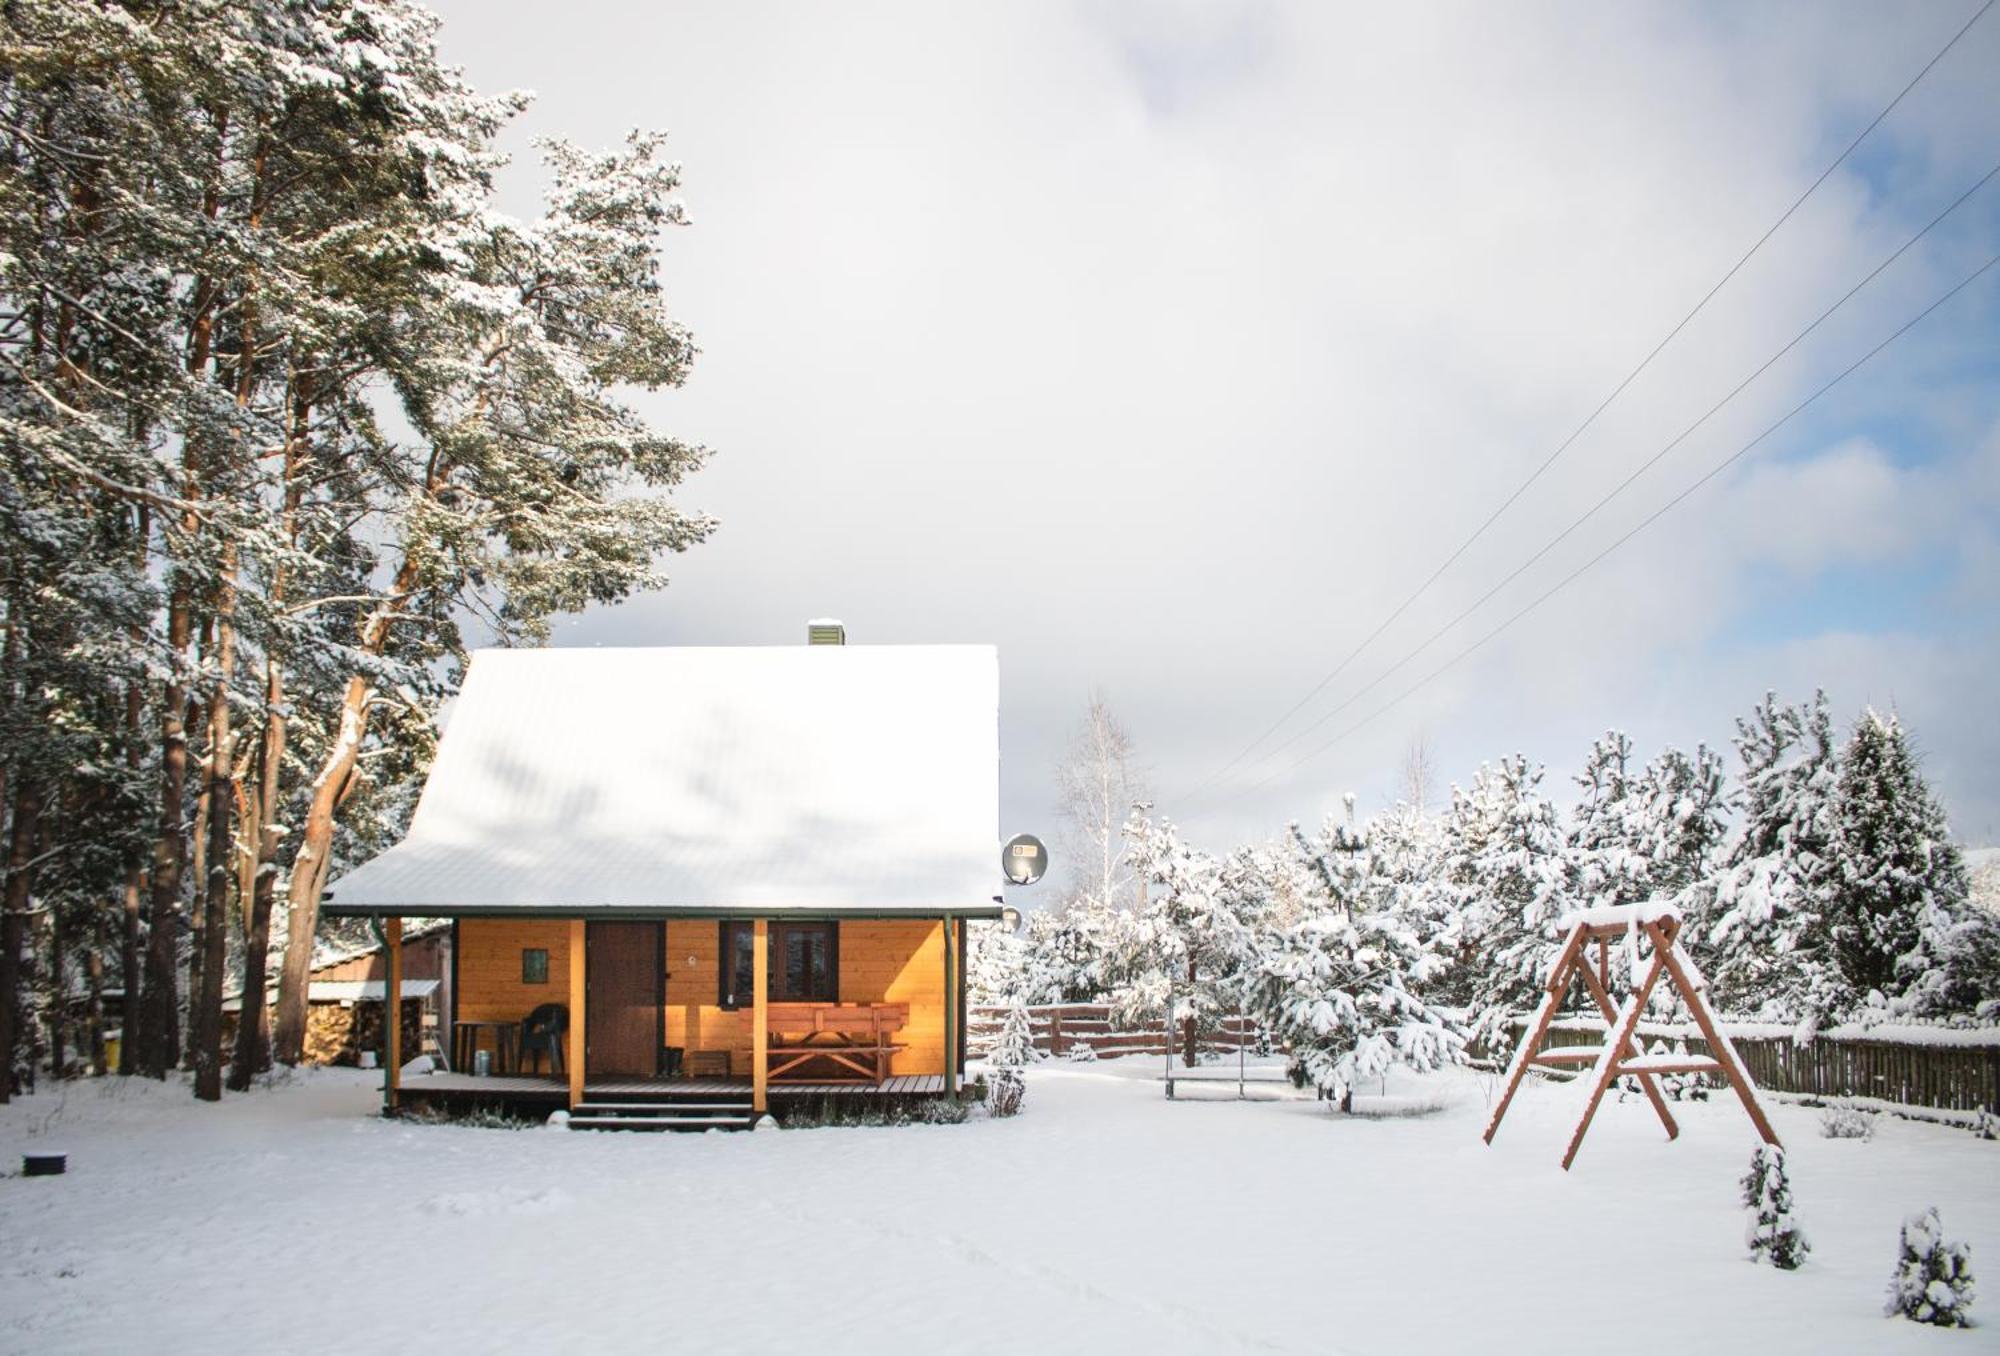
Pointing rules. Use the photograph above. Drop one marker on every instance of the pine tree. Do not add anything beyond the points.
(1408, 874)
(1899, 870)
(1340, 986)
(1608, 857)
(1773, 1236)
(1191, 944)
(230, 236)
(996, 963)
(1511, 867)
(1933, 1277)
(1765, 943)
(1012, 1053)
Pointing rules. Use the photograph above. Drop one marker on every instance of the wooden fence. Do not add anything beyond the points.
(1945, 1069)
(1058, 1028)
(1940, 1068)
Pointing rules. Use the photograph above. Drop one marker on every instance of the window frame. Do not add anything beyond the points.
(727, 994)
(527, 952)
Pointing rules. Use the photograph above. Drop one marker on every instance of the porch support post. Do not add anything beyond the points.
(392, 1016)
(760, 1029)
(579, 1015)
(951, 1070)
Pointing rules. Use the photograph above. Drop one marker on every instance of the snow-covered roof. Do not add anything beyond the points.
(350, 991)
(825, 779)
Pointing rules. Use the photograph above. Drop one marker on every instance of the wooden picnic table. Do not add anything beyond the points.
(858, 1038)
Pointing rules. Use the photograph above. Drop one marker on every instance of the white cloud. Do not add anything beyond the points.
(1169, 347)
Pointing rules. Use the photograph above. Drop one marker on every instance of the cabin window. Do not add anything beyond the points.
(804, 963)
(534, 965)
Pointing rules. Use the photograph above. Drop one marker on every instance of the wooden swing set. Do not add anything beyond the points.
(1659, 924)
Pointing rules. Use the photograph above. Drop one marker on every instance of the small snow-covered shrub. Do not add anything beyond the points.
(476, 1117)
(1081, 1053)
(1384, 1108)
(855, 1112)
(1844, 1121)
(1773, 1235)
(1933, 1278)
(1008, 1090)
(1011, 1053)
(1985, 1125)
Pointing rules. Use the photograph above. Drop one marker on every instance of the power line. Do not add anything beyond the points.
(1642, 468)
(1641, 526)
(1616, 391)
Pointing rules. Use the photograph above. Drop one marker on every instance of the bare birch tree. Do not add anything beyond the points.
(1098, 781)
(1419, 783)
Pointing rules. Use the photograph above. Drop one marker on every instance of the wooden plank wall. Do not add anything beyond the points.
(694, 1022)
(896, 960)
(489, 967)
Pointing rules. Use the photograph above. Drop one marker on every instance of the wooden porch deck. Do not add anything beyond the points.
(516, 1087)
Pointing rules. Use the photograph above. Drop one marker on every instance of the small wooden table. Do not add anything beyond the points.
(465, 1044)
(858, 1038)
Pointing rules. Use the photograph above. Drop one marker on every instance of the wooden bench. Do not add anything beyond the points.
(857, 1038)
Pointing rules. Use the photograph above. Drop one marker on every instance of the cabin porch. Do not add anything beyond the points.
(529, 1088)
(553, 1011)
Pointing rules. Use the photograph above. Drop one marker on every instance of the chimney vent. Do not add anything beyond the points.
(825, 631)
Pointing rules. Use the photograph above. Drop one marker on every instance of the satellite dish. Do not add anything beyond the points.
(1024, 859)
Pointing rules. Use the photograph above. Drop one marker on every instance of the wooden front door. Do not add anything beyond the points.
(626, 976)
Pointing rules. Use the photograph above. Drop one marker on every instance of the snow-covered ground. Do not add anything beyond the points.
(1105, 1219)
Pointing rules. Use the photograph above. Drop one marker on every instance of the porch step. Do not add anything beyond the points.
(657, 1123)
(597, 1108)
(663, 1113)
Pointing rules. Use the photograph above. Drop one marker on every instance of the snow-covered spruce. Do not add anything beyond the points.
(1509, 862)
(1774, 1236)
(1933, 1278)
(1764, 943)
(1903, 925)
(1012, 1053)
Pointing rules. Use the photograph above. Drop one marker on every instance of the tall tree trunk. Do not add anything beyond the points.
(215, 891)
(129, 952)
(160, 1014)
(309, 870)
(93, 973)
(58, 997)
(129, 956)
(253, 1047)
(197, 872)
(13, 918)
(1189, 1055)
(330, 786)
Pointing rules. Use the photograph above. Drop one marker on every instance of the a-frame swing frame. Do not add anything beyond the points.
(1621, 1052)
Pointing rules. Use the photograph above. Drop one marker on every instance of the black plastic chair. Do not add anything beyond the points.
(543, 1030)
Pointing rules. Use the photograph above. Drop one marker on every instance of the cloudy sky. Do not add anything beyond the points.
(1170, 347)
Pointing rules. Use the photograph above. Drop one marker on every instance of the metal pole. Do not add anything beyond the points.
(1241, 1095)
(1170, 1045)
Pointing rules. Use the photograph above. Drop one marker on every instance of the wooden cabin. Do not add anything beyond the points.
(750, 867)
